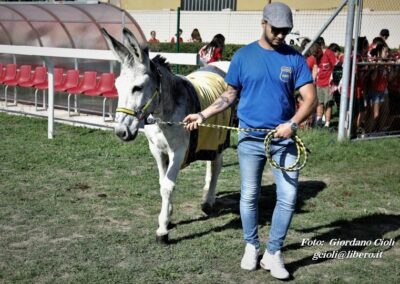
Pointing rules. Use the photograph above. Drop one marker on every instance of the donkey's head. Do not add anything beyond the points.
(137, 84)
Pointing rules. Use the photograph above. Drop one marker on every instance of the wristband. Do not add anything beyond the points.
(202, 116)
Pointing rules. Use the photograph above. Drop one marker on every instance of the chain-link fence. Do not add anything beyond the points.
(375, 104)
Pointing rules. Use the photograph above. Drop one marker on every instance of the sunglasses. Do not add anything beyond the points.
(283, 31)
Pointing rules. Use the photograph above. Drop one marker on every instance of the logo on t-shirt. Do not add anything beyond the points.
(286, 73)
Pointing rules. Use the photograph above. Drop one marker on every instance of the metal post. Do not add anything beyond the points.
(354, 65)
(50, 110)
(178, 23)
(346, 69)
(324, 27)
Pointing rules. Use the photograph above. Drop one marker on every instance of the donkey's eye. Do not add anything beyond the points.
(136, 89)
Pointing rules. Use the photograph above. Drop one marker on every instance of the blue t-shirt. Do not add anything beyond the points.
(266, 80)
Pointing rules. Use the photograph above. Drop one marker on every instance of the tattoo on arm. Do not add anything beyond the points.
(221, 103)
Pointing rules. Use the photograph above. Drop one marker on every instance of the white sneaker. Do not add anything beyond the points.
(274, 262)
(250, 257)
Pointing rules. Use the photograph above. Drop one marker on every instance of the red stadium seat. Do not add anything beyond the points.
(105, 84)
(113, 94)
(88, 82)
(71, 80)
(39, 77)
(23, 75)
(9, 73)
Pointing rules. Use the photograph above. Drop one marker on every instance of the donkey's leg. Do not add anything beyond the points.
(209, 192)
(166, 189)
(161, 160)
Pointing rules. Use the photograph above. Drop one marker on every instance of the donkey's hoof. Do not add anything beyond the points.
(207, 208)
(163, 240)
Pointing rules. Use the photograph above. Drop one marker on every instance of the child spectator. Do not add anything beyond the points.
(213, 51)
(195, 36)
(325, 98)
(394, 94)
(173, 39)
(153, 38)
(378, 82)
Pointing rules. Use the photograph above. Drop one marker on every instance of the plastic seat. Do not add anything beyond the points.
(88, 82)
(9, 73)
(71, 80)
(2, 73)
(58, 79)
(113, 94)
(23, 75)
(39, 77)
(105, 84)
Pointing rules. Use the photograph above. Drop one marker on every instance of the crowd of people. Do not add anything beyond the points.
(376, 94)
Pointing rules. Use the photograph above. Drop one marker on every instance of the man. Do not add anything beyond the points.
(266, 73)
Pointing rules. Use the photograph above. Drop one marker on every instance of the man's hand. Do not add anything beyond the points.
(192, 121)
(284, 131)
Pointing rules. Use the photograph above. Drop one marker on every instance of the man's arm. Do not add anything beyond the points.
(220, 104)
(306, 108)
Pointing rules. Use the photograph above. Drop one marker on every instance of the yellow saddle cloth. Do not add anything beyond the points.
(209, 86)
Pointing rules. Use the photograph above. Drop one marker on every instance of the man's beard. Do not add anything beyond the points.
(271, 42)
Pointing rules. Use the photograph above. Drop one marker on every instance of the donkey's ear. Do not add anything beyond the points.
(119, 50)
(134, 46)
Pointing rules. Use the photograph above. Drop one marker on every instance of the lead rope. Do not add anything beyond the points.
(302, 151)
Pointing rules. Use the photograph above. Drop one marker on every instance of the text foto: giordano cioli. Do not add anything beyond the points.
(353, 242)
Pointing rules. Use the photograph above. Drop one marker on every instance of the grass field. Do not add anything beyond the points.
(82, 208)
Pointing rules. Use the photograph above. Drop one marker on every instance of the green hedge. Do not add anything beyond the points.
(229, 51)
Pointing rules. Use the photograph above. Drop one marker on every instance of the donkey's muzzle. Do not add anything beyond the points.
(124, 133)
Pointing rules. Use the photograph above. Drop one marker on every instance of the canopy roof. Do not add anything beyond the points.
(63, 25)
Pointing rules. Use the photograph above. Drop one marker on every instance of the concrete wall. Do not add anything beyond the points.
(245, 26)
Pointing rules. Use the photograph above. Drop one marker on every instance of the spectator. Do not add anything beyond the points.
(378, 82)
(213, 51)
(325, 98)
(173, 39)
(361, 73)
(304, 44)
(394, 94)
(313, 57)
(195, 36)
(321, 42)
(377, 40)
(384, 34)
(153, 38)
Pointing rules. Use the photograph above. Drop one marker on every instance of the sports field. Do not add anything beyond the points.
(83, 207)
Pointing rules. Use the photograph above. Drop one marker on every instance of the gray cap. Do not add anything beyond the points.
(278, 15)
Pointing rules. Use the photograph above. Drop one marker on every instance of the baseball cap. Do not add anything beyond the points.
(278, 15)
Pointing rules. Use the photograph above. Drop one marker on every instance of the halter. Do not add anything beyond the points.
(140, 114)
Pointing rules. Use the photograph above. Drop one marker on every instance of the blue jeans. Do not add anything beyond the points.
(252, 159)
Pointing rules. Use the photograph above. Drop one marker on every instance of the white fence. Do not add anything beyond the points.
(244, 27)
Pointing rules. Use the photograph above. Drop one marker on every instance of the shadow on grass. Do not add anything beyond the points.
(366, 228)
(228, 203)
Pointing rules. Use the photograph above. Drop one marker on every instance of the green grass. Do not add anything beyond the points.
(83, 207)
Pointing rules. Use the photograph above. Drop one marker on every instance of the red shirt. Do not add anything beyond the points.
(381, 82)
(174, 38)
(153, 40)
(325, 68)
(311, 62)
(217, 55)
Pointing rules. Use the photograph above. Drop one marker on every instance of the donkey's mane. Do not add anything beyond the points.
(161, 61)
